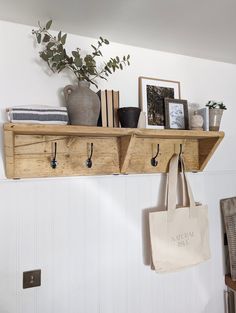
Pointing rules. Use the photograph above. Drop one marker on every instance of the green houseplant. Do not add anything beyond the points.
(216, 110)
(216, 105)
(83, 104)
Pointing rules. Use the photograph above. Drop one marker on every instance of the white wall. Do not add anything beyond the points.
(85, 233)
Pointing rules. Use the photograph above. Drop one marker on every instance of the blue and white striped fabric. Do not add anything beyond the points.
(38, 115)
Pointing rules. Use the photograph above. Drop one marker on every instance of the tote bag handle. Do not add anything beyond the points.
(186, 190)
(191, 201)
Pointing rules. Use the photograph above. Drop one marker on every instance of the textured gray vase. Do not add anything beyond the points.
(83, 104)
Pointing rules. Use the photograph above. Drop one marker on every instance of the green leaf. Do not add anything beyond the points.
(121, 66)
(70, 60)
(63, 39)
(46, 38)
(108, 70)
(59, 35)
(106, 42)
(49, 53)
(117, 59)
(50, 45)
(62, 68)
(78, 62)
(60, 48)
(91, 71)
(94, 47)
(128, 57)
(75, 53)
(103, 77)
(48, 25)
(57, 58)
(44, 56)
(38, 36)
(128, 62)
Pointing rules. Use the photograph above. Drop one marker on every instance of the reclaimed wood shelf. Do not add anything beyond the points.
(229, 282)
(29, 149)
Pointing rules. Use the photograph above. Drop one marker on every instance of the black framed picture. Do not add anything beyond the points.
(152, 92)
(176, 114)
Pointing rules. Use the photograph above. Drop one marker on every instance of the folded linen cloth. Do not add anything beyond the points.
(38, 114)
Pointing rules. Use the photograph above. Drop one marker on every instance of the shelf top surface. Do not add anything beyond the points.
(107, 131)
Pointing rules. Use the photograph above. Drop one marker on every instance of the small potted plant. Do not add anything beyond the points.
(83, 104)
(216, 110)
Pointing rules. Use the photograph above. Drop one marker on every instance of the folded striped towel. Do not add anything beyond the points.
(38, 114)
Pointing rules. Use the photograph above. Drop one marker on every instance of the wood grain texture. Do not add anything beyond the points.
(9, 153)
(127, 146)
(98, 131)
(207, 147)
(33, 156)
(29, 149)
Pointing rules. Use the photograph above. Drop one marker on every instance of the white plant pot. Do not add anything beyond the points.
(215, 116)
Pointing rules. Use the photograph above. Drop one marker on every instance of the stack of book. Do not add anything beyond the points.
(109, 106)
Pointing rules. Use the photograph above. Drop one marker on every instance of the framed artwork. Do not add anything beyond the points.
(152, 92)
(176, 114)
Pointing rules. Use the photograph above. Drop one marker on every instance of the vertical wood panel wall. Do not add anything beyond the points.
(86, 236)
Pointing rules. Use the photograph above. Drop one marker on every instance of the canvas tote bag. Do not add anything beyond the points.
(179, 236)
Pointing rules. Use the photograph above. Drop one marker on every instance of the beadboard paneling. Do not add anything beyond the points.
(86, 236)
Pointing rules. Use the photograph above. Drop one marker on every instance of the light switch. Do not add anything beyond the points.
(31, 279)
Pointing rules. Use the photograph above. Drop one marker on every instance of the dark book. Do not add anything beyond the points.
(116, 104)
(102, 120)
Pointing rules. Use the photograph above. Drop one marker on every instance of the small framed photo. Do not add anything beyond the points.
(152, 92)
(176, 114)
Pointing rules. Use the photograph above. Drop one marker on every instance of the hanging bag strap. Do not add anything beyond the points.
(189, 199)
(172, 186)
(183, 188)
(187, 195)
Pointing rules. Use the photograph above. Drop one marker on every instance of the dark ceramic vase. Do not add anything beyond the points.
(129, 117)
(83, 104)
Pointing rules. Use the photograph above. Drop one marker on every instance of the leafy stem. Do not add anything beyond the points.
(84, 68)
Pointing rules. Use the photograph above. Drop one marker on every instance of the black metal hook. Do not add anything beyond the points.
(54, 156)
(154, 161)
(89, 162)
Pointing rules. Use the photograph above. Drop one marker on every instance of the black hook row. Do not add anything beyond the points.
(53, 162)
(89, 163)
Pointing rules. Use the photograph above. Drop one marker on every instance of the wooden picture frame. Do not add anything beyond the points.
(176, 114)
(152, 92)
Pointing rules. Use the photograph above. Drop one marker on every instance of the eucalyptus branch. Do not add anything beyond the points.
(84, 68)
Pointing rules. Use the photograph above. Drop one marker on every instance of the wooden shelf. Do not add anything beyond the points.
(29, 149)
(229, 282)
